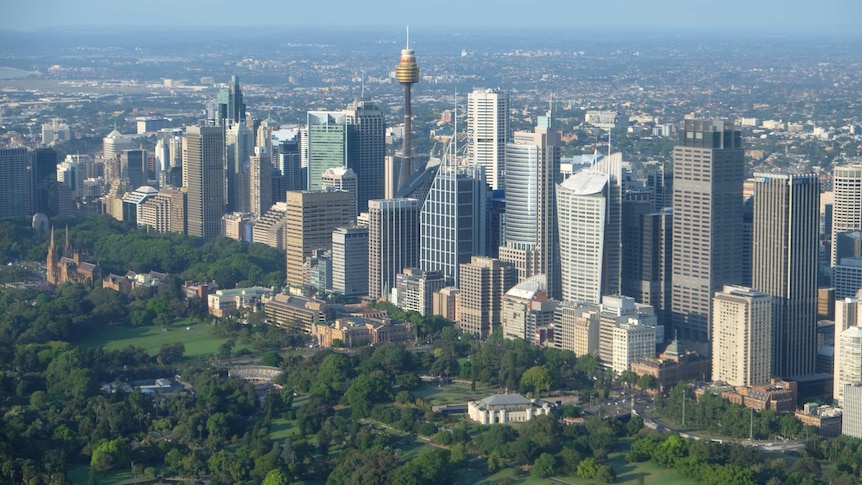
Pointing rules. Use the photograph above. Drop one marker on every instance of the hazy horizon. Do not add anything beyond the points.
(788, 17)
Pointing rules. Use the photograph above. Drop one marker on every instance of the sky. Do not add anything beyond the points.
(785, 16)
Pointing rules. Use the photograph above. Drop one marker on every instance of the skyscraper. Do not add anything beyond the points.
(44, 174)
(453, 220)
(784, 265)
(239, 146)
(260, 183)
(588, 215)
(132, 167)
(488, 132)
(341, 178)
(311, 217)
(393, 242)
(204, 170)
(741, 340)
(231, 108)
(330, 139)
(367, 160)
(708, 173)
(532, 169)
(350, 261)
(847, 203)
(484, 282)
(14, 182)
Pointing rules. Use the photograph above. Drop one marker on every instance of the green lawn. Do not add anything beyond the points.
(80, 475)
(452, 393)
(653, 474)
(197, 338)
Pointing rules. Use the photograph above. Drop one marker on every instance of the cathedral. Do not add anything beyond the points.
(69, 267)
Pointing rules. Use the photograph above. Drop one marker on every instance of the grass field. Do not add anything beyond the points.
(196, 337)
(452, 393)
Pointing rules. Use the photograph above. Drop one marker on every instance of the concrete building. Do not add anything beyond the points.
(297, 313)
(203, 168)
(260, 183)
(239, 226)
(393, 242)
(484, 281)
(343, 179)
(851, 424)
(414, 290)
(604, 119)
(742, 340)
(269, 227)
(633, 339)
(488, 132)
(784, 265)
(708, 171)
(506, 408)
(350, 332)
(527, 310)
(847, 203)
(576, 327)
(847, 277)
(674, 365)
(532, 170)
(350, 261)
(310, 218)
(447, 303)
(114, 144)
(622, 312)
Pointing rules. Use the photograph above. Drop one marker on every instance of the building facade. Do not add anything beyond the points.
(204, 170)
(742, 340)
(708, 171)
(488, 132)
(350, 261)
(484, 281)
(784, 265)
(846, 204)
(393, 242)
(310, 218)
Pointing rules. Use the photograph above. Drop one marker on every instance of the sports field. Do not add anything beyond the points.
(196, 337)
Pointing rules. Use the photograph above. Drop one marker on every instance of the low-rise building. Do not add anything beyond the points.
(827, 419)
(674, 365)
(223, 302)
(506, 408)
(354, 332)
(296, 312)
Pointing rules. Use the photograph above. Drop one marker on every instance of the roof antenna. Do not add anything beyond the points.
(408, 37)
(362, 88)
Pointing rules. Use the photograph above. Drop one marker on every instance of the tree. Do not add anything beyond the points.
(109, 455)
(647, 382)
(536, 379)
(588, 468)
(366, 390)
(545, 466)
(275, 477)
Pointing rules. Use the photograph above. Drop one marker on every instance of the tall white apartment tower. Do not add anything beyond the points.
(741, 336)
(847, 203)
(488, 130)
(848, 346)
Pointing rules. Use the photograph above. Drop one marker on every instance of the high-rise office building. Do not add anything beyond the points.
(588, 236)
(239, 146)
(646, 253)
(310, 218)
(368, 157)
(114, 143)
(453, 228)
(393, 242)
(132, 167)
(350, 261)
(414, 290)
(532, 170)
(231, 108)
(851, 422)
(708, 172)
(330, 140)
(488, 132)
(784, 265)
(741, 339)
(45, 191)
(847, 203)
(615, 311)
(15, 196)
(203, 168)
(342, 178)
(260, 173)
(289, 168)
(484, 282)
